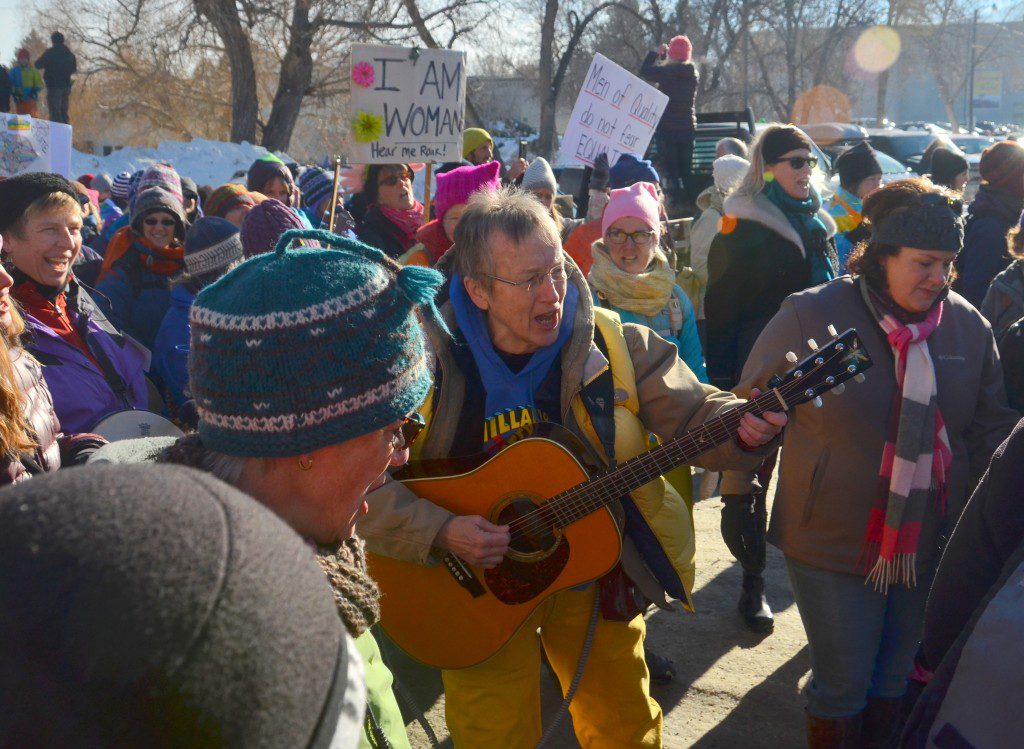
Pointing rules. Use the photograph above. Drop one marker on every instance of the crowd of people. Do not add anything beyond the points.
(213, 588)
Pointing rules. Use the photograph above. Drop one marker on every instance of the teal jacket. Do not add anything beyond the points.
(685, 337)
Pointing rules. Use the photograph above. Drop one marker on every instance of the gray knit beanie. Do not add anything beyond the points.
(540, 176)
(157, 606)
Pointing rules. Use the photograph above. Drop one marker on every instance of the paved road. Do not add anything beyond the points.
(733, 688)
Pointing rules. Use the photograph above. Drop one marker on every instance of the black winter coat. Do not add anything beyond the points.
(376, 231)
(985, 254)
(678, 81)
(754, 263)
(58, 65)
(5, 89)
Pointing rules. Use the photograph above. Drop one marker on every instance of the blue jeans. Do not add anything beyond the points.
(862, 642)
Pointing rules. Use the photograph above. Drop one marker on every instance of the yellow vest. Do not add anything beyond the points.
(665, 503)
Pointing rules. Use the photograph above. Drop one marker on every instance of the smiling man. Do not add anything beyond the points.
(530, 347)
(90, 369)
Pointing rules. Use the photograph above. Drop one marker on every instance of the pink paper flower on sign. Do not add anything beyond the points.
(362, 74)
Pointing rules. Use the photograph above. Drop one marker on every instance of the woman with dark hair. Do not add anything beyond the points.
(393, 215)
(861, 553)
(949, 168)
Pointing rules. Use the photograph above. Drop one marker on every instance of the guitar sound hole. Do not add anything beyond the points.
(532, 532)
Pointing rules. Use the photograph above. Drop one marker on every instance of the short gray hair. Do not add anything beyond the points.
(733, 146)
(513, 212)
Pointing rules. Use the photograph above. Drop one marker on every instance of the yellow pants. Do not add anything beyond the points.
(497, 704)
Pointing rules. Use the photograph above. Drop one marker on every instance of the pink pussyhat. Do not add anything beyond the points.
(456, 186)
(639, 200)
(680, 49)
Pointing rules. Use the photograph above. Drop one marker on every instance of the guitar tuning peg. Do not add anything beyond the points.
(813, 344)
(859, 377)
(817, 402)
(791, 357)
(839, 389)
(832, 330)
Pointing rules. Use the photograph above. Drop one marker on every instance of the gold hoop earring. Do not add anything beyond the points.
(305, 464)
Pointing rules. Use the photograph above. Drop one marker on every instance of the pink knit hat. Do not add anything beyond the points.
(680, 49)
(456, 186)
(639, 200)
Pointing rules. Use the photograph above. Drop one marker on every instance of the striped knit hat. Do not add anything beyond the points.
(316, 184)
(300, 349)
(119, 187)
(226, 197)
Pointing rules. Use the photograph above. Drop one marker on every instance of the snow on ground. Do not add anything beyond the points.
(208, 162)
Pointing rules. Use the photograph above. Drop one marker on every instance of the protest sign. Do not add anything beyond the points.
(407, 104)
(616, 112)
(28, 144)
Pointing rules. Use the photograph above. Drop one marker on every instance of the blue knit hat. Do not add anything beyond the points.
(300, 349)
(629, 170)
(211, 245)
(315, 184)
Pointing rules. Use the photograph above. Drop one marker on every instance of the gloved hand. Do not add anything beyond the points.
(599, 175)
(744, 526)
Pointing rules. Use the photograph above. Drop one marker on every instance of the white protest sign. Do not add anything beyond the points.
(406, 104)
(28, 144)
(616, 112)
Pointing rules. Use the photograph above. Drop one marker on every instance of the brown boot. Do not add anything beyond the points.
(882, 720)
(833, 733)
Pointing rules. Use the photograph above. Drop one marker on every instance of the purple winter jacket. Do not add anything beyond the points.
(81, 394)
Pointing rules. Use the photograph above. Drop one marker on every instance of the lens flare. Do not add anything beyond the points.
(877, 49)
(821, 104)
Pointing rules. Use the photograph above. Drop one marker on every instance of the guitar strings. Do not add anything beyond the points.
(582, 499)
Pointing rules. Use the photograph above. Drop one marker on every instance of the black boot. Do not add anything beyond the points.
(753, 606)
(883, 719)
(833, 733)
(662, 669)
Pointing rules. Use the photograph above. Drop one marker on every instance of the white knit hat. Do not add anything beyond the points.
(729, 171)
(539, 175)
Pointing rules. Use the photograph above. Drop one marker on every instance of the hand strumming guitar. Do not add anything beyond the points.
(475, 540)
(754, 432)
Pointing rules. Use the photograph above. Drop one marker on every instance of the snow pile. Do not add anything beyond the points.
(208, 162)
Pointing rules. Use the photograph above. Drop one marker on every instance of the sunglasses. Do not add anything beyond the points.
(159, 222)
(796, 163)
(408, 431)
(393, 179)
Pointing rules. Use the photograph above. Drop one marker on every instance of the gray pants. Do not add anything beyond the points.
(57, 103)
(862, 642)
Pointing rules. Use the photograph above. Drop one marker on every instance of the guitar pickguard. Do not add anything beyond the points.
(514, 582)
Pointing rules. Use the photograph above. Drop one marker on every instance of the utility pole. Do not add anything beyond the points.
(746, 41)
(970, 79)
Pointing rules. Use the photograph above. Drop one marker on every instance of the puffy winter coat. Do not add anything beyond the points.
(171, 347)
(702, 234)
(845, 208)
(755, 261)
(678, 81)
(58, 65)
(985, 251)
(26, 83)
(38, 409)
(1004, 301)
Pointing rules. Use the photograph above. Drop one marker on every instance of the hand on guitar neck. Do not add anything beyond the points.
(755, 432)
(475, 540)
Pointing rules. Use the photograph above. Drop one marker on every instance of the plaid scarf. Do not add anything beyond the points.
(917, 456)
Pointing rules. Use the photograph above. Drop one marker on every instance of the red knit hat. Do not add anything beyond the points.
(456, 186)
(680, 49)
(1002, 166)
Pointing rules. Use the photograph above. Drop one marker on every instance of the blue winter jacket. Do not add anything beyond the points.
(985, 254)
(136, 309)
(686, 340)
(171, 347)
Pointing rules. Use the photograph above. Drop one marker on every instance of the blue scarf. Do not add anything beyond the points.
(507, 389)
(803, 217)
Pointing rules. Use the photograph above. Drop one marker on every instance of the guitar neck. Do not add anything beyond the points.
(581, 500)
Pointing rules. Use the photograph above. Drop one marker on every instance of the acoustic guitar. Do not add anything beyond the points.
(544, 486)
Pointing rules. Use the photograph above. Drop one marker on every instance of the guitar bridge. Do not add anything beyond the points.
(463, 575)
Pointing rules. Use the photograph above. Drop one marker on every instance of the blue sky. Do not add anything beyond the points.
(12, 28)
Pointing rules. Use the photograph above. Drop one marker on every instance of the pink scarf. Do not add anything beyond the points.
(407, 221)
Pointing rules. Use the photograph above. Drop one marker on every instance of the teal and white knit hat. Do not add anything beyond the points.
(303, 348)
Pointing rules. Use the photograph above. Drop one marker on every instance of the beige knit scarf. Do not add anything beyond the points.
(355, 593)
(645, 293)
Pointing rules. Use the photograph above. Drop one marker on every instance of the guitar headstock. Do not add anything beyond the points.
(841, 359)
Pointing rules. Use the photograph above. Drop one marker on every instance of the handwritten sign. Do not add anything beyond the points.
(28, 144)
(406, 104)
(616, 113)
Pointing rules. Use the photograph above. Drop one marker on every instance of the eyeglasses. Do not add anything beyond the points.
(796, 163)
(393, 179)
(557, 275)
(159, 222)
(639, 238)
(408, 431)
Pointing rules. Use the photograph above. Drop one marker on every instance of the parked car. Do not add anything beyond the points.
(905, 147)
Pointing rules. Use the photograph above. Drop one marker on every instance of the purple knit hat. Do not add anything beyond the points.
(456, 186)
(264, 225)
